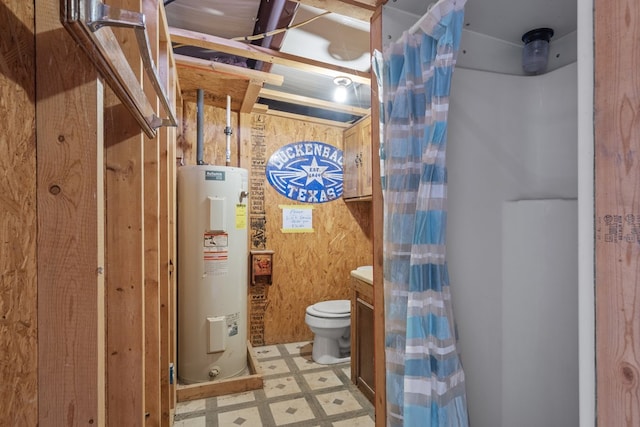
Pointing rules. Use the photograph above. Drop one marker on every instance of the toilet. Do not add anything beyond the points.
(330, 321)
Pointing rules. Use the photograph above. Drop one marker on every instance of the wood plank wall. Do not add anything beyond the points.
(105, 292)
(617, 212)
(18, 317)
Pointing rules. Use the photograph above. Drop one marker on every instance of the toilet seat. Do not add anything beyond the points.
(330, 309)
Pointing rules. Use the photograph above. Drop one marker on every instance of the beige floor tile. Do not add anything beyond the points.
(191, 422)
(280, 387)
(364, 421)
(291, 411)
(266, 351)
(347, 371)
(249, 417)
(190, 406)
(234, 399)
(338, 402)
(272, 367)
(298, 348)
(322, 379)
(306, 362)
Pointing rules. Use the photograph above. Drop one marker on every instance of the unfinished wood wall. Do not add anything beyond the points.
(308, 267)
(106, 239)
(617, 212)
(18, 319)
(214, 138)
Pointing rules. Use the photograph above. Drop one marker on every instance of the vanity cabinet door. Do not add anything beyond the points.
(357, 161)
(365, 373)
(362, 354)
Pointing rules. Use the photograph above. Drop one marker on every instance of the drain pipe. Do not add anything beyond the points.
(200, 125)
(272, 24)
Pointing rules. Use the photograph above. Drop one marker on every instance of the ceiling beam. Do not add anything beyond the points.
(360, 10)
(311, 119)
(229, 71)
(251, 96)
(219, 44)
(312, 102)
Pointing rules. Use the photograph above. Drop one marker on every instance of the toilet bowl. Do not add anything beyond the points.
(330, 321)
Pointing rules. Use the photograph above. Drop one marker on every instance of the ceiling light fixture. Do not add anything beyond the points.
(342, 82)
(535, 52)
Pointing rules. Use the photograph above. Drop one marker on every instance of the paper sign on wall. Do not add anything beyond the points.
(241, 216)
(297, 219)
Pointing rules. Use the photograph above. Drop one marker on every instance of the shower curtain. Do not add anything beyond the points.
(425, 379)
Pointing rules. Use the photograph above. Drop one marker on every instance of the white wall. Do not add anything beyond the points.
(510, 138)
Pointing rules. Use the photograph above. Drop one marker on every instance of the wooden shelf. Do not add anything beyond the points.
(219, 80)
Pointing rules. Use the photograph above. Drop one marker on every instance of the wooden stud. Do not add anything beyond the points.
(151, 205)
(70, 268)
(172, 205)
(125, 255)
(617, 212)
(165, 136)
(380, 402)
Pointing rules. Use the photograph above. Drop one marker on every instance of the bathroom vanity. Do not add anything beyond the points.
(362, 360)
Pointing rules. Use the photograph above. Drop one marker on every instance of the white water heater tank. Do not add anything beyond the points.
(212, 272)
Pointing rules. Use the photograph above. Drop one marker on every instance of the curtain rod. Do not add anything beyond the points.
(415, 27)
(442, 7)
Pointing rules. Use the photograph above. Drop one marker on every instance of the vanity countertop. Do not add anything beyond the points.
(364, 273)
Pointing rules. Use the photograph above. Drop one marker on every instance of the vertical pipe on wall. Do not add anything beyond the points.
(228, 132)
(200, 125)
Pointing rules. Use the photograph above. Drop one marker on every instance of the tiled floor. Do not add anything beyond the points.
(297, 392)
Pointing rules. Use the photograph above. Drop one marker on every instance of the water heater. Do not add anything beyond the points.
(212, 272)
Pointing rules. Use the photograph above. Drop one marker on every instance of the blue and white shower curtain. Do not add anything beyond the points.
(425, 379)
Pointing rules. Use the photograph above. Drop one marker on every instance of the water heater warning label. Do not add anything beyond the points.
(232, 323)
(216, 240)
(215, 254)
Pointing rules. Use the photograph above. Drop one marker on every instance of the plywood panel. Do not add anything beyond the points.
(309, 267)
(617, 212)
(214, 148)
(18, 293)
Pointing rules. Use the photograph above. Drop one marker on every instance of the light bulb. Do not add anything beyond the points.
(340, 94)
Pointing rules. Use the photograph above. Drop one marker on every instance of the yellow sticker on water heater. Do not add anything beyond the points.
(241, 216)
